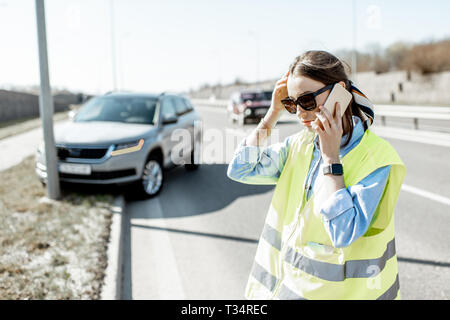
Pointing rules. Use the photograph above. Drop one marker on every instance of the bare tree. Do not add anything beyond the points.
(396, 54)
(429, 57)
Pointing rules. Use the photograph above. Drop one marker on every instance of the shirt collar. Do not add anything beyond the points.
(358, 132)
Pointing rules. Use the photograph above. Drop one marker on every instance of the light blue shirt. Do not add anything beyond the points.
(347, 213)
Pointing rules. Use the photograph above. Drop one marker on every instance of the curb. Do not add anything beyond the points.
(111, 289)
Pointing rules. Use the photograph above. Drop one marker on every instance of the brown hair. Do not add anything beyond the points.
(324, 67)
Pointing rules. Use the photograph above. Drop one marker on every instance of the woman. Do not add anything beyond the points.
(327, 235)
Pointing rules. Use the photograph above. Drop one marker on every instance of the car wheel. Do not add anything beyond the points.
(152, 177)
(194, 157)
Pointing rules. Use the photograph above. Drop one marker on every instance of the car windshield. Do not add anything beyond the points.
(118, 109)
(257, 96)
(267, 95)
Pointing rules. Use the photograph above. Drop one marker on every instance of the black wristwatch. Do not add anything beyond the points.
(334, 169)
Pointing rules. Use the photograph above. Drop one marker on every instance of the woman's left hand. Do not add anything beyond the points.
(330, 132)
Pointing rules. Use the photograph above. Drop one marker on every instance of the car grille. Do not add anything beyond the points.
(100, 175)
(80, 153)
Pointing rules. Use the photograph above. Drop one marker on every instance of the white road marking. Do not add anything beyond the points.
(427, 137)
(154, 279)
(426, 194)
(213, 109)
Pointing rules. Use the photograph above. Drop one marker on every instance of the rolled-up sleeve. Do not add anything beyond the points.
(348, 212)
(256, 165)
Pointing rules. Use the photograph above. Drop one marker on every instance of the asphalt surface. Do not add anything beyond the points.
(198, 238)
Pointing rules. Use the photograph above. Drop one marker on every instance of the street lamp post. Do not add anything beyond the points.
(354, 54)
(113, 47)
(46, 106)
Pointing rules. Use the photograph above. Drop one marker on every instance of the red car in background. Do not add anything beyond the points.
(247, 105)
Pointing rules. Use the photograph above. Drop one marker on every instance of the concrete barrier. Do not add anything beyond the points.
(210, 102)
(399, 87)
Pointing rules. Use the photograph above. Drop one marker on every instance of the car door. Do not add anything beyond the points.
(186, 118)
(168, 143)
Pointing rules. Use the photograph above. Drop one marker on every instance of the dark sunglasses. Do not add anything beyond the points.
(306, 101)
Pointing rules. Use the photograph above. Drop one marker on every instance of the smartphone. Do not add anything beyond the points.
(338, 94)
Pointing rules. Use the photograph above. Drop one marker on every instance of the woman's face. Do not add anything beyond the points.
(298, 85)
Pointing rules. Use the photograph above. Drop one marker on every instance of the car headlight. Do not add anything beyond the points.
(128, 147)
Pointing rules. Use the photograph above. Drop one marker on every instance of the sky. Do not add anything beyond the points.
(175, 45)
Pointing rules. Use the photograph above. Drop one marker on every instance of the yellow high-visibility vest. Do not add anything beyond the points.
(296, 259)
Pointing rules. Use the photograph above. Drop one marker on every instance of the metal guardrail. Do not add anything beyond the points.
(382, 110)
(412, 112)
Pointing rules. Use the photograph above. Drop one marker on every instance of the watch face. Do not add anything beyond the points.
(336, 168)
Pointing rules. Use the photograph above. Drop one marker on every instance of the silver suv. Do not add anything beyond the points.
(126, 137)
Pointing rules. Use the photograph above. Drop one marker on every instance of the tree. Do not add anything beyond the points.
(396, 54)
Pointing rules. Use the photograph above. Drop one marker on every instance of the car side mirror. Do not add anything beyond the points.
(169, 118)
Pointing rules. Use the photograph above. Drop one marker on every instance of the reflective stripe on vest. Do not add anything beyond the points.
(287, 267)
(390, 294)
(269, 281)
(329, 271)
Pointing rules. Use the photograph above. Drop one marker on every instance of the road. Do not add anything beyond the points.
(197, 239)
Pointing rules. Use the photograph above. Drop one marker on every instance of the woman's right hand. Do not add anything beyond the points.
(279, 93)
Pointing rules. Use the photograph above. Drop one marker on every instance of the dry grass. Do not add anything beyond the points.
(50, 250)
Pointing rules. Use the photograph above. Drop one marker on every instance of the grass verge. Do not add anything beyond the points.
(50, 249)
